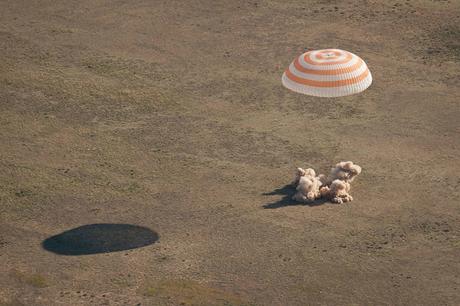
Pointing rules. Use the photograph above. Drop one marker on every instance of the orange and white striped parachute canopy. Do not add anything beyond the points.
(327, 73)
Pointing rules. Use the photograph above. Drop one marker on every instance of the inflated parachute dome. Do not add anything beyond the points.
(327, 73)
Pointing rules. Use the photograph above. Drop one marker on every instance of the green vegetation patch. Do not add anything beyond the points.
(187, 292)
(34, 279)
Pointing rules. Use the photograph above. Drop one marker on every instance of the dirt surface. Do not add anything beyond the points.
(170, 116)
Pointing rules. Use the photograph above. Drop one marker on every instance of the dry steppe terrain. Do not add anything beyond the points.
(146, 148)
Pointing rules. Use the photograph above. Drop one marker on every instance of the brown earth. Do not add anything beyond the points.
(170, 115)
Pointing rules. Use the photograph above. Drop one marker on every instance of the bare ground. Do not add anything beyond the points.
(170, 115)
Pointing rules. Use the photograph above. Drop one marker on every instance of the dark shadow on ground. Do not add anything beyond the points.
(100, 238)
(287, 192)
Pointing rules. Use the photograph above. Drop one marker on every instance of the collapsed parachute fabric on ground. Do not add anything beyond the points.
(327, 73)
